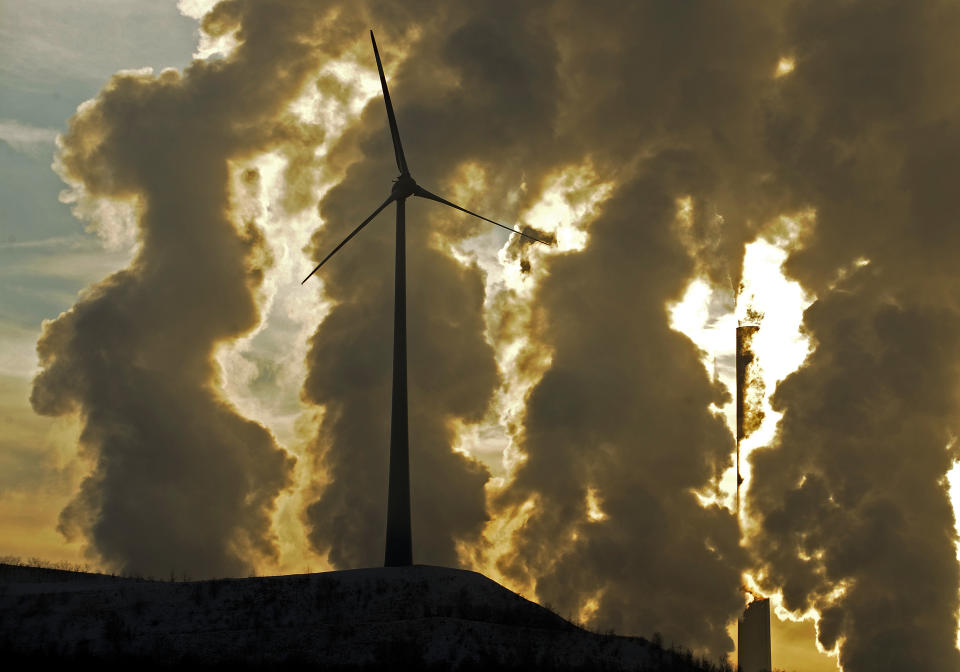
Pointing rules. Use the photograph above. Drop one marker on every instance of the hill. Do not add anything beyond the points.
(416, 617)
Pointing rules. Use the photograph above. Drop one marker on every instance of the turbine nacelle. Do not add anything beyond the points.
(403, 187)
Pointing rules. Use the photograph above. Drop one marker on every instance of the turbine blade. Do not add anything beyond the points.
(423, 193)
(394, 131)
(352, 234)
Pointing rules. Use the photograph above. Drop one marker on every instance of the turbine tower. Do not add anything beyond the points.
(399, 546)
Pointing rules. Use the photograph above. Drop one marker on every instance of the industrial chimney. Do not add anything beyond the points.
(753, 628)
(745, 334)
(753, 637)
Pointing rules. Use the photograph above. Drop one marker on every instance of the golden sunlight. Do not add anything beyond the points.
(780, 349)
(784, 67)
(589, 608)
(594, 513)
(953, 488)
(778, 345)
(569, 202)
(289, 315)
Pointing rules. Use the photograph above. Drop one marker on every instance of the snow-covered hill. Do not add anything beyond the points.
(419, 617)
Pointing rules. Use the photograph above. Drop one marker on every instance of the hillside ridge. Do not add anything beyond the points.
(421, 617)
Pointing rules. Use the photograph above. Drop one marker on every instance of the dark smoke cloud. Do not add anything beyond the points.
(646, 77)
(181, 482)
(853, 493)
(522, 92)
(623, 410)
(662, 98)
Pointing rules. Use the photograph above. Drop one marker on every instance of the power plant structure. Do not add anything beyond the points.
(745, 358)
(753, 637)
(753, 627)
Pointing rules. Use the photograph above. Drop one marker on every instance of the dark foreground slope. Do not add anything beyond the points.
(385, 618)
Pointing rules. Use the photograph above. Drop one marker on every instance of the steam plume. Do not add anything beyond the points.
(620, 422)
(852, 501)
(181, 482)
(664, 100)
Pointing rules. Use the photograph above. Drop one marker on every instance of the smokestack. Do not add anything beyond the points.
(753, 628)
(753, 635)
(744, 359)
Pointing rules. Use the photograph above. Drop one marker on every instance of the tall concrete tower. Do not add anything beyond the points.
(753, 637)
(745, 334)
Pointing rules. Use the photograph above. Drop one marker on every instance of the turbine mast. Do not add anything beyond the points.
(399, 546)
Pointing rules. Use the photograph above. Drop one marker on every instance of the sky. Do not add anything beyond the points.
(175, 402)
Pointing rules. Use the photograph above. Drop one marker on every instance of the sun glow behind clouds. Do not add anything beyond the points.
(778, 345)
(784, 67)
(595, 514)
(262, 373)
(707, 315)
(569, 202)
(207, 45)
(953, 490)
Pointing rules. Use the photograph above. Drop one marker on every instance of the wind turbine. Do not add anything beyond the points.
(399, 546)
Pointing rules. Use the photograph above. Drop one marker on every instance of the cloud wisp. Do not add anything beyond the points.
(27, 139)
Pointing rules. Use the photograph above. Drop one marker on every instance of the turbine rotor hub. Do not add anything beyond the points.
(404, 186)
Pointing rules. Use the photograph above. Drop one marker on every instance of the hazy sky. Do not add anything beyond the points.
(174, 401)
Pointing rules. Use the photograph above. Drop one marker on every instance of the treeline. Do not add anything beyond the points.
(40, 563)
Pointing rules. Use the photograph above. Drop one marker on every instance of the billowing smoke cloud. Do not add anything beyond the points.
(182, 482)
(618, 435)
(664, 101)
(852, 500)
